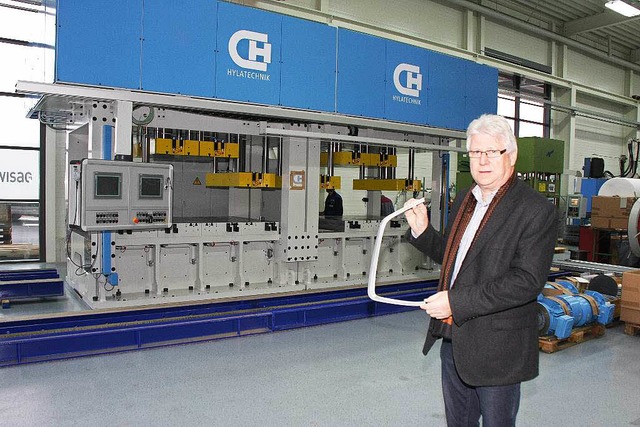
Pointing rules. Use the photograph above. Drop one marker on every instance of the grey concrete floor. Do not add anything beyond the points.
(367, 372)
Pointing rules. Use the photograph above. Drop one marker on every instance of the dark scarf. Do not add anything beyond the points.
(442, 328)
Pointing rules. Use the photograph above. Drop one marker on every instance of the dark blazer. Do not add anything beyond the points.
(493, 299)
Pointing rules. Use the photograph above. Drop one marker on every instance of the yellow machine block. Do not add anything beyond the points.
(330, 182)
(388, 161)
(370, 159)
(232, 150)
(219, 149)
(341, 158)
(345, 158)
(350, 158)
(168, 146)
(191, 147)
(387, 184)
(267, 180)
(206, 148)
(243, 179)
(226, 149)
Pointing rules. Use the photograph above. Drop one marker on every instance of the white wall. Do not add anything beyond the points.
(594, 73)
(517, 43)
(422, 19)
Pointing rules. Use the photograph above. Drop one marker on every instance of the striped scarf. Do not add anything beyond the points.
(442, 328)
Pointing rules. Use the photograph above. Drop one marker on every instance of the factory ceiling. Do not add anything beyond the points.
(587, 22)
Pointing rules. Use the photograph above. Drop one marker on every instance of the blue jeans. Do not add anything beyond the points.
(464, 404)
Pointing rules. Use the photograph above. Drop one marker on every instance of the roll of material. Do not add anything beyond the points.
(633, 229)
(621, 187)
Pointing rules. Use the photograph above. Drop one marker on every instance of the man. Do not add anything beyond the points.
(386, 206)
(495, 255)
(332, 204)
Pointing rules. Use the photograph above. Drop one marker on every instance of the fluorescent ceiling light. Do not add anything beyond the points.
(622, 8)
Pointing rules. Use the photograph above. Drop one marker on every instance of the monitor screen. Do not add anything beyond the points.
(151, 186)
(107, 185)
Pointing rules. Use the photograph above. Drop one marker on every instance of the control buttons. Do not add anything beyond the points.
(106, 217)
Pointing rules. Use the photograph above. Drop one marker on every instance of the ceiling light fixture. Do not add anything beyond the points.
(622, 8)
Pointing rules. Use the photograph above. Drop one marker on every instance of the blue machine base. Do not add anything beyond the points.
(88, 333)
(98, 333)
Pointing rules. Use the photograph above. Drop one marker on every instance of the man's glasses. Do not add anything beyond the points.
(491, 154)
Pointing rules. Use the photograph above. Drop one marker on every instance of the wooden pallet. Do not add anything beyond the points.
(631, 328)
(21, 251)
(551, 344)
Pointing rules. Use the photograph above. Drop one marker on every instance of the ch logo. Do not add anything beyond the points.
(414, 79)
(255, 52)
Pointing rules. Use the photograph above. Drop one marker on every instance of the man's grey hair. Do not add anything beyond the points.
(495, 126)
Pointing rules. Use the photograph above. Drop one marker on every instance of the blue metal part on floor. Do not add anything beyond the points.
(36, 283)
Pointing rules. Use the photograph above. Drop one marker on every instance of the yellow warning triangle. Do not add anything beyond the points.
(197, 181)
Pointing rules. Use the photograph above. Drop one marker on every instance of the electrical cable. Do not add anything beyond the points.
(635, 165)
(69, 231)
(106, 282)
(624, 172)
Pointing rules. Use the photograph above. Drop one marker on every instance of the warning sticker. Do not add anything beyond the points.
(197, 181)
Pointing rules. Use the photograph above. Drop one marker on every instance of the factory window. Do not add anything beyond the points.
(26, 27)
(522, 102)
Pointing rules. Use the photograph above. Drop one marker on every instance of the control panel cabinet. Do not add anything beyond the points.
(112, 195)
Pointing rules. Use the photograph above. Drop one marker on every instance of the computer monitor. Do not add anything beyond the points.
(151, 186)
(107, 185)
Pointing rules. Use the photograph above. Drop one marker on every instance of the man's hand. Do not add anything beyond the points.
(437, 305)
(417, 217)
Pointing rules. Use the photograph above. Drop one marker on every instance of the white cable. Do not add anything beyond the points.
(373, 269)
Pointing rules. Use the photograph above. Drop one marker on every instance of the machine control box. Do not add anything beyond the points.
(114, 195)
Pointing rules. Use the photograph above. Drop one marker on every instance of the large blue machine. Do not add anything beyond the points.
(559, 314)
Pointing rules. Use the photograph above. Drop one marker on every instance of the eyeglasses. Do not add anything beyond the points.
(491, 154)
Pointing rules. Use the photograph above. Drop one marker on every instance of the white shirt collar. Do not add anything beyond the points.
(477, 193)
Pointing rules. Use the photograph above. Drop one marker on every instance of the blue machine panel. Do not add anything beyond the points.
(308, 67)
(481, 91)
(406, 91)
(447, 92)
(589, 187)
(178, 51)
(361, 74)
(248, 54)
(99, 45)
(229, 51)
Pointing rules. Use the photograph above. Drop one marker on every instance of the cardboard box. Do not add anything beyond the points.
(548, 292)
(630, 297)
(610, 223)
(630, 315)
(611, 212)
